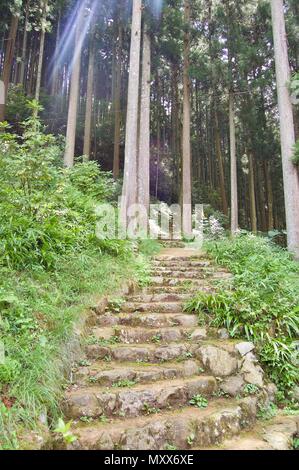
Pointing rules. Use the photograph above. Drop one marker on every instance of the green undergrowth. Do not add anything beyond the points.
(261, 303)
(39, 312)
(52, 267)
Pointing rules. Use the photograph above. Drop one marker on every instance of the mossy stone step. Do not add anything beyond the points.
(180, 429)
(137, 400)
(151, 320)
(142, 373)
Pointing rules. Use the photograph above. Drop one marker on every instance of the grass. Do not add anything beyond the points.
(39, 313)
(261, 303)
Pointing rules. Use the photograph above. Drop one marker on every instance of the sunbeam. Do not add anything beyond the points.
(156, 7)
(84, 12)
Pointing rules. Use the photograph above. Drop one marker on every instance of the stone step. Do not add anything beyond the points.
(109, 374)
(188, 289)
(180, 429)
(181, 258)
(275, 434)
(181, 263)
(138, 400)
(151, 320)
(182, 269)
(148, 335)
(195, 279)
(172, 243)
(181, 274)
(153, 353)
(220, 358)
(159, 307)
(162, 297)
(166, 281)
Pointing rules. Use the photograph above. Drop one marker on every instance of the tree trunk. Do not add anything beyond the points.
(158, 120)
(144, 130)
(117, 105)
(54, 80)
(88, 112)
(220, 164)
(175, 132)
(74, 97)
(186, 143)
(253, 216)
(129, 193)
(8, 61)
(41, 53)
(24, 46)
(269, 195)
(233, 160)
(290, 173)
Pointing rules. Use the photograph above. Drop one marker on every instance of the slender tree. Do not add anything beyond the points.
(290, 173)
(129, 193)
(117, 102)
(233, 166)
(90, 83)
(144, 128)
(43, 26)
(9, 55)
(186, 142)
(74, 94)
(24, 44)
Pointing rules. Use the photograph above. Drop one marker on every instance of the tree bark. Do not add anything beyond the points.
(24, 45)
(253, 216)
(220, 164)
(269, 195)
(8, 60)
(88, 111)
(54, 81)
(117, 104)
(144, 129)
(129, 192)
(233, 163)
(73, 99)
(290, 173)
(186, 142)
(41, 52)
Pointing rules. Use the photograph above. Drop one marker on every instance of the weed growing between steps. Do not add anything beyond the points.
(260, 304)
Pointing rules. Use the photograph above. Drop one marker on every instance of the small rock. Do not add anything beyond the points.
(200, 333)
(244, 348)
(217, 360)
(249, 407)
(103, 333)
(233, 385)
(190, 368)
(94, 351)
(251, 357)
(252, 373)
(223, 333)
(295, 393)
(271, 391)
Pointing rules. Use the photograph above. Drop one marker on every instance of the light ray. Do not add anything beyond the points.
(83, 12)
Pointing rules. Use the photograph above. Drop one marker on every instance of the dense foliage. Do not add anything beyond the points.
(261, 303)
(46, 210)
(51, 265)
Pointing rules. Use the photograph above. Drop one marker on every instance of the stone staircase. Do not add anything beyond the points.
(153, 379)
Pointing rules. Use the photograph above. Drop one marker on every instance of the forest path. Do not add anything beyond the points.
(154, 379)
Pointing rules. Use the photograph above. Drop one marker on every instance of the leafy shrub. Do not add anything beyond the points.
(261, 303)
(296, 154)
(46, 210)
(9, 371)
